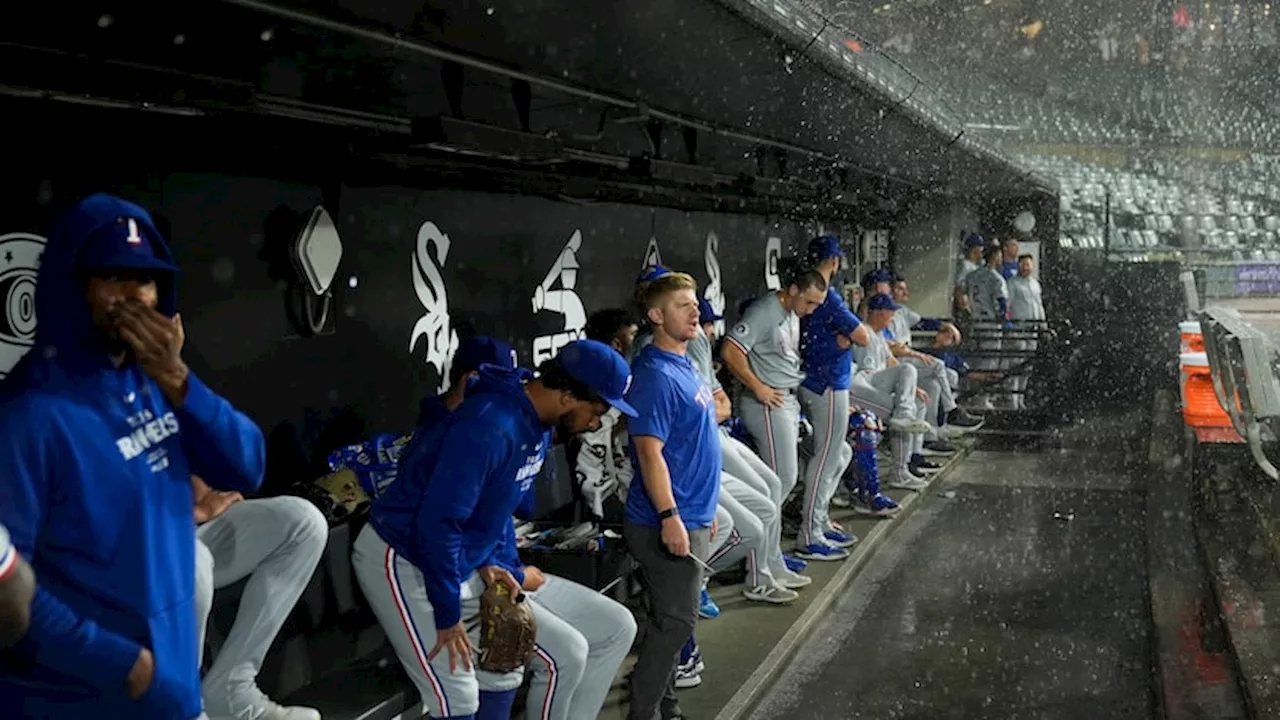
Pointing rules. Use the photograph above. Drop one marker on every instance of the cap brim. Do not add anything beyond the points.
(134, 262)
(623, 406)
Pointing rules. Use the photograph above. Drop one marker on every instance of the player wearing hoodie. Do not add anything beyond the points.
(442, 531)
(101, 427)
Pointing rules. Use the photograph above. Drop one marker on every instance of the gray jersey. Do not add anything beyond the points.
(698, 350)
(769, 335)
(1025, 300)
(963, 270)
(985, 287)
(900, 325)
(875, 356)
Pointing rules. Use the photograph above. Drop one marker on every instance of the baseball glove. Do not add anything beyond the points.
(507, 629)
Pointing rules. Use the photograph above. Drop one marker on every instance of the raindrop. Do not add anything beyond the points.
(352, 282)
(488, 11)
(223, 271)
(105, 21)
(179, 39)
(333, 396)
(349, 311)
(267, 35)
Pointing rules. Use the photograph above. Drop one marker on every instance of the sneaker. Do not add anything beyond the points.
(938, 448)
(877, 505)
(794, 564)
(912, 425)
(925, 467)
(792, 581)
(260, 707)
(842, 540)
(687, 677)
(707, 607)
(964, 421)
(772, 594)
(822, 552)
(909, 482)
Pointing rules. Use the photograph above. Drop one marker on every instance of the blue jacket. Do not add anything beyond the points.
(826, 364)
(95, 488)
(459, 481)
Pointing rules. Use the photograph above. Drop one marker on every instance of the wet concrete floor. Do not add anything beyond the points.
(1023, 596)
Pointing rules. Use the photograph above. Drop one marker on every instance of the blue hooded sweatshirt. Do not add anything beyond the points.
(825, 363)
(459, 482)
(95, 488)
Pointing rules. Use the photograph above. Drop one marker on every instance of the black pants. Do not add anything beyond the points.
(673, 585)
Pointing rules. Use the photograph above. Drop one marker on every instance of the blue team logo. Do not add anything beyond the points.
(19, 261)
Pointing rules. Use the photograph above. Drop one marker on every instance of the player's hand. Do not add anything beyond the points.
(771, 397)
(675, 538)
(922, 395)
(533, 578)
(494, 575)
(140, 677)
(214, 503)
(843, 342)
(454, 640)
(157, 343)
(715, 527)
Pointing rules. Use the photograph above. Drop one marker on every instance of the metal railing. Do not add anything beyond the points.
(1243, 366)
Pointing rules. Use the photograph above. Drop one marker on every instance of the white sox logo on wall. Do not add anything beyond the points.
(563, 299)
(652, 256)
(714, 292)
(772, 251)
(19, 261)
(429, 256)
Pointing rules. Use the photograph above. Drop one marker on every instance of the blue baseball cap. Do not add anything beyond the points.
(974, 240)
(652, 273)
(706, 313)
(824, 247)
(880, 301)
(483, 350)
(128, 243)
(600, 368)
(878, 275)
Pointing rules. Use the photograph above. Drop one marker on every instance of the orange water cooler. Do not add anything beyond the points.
(1200, 407)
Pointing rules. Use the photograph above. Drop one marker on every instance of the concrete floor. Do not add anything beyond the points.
(1022, 597)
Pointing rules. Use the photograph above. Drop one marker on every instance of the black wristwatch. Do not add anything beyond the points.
(670, 513)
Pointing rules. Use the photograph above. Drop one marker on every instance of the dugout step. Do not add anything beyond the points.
(372, 688)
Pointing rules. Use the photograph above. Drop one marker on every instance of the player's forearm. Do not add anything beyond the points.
(737, 363)
(657, 478)
(17, 587)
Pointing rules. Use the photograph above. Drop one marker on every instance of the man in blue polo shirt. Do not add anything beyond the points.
(670, 513)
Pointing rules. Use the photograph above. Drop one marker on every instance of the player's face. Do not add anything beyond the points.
(580, 416)
(107, 290)
(900, 293)
(1026, 267)
(625, 338)
(803, 303)
(1010, 249)
(678, 315)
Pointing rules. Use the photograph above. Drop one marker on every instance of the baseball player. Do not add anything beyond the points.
(763, 353)
(17, 586)
(442, 532)
(889, 389)
(755, 529)
(1026, 305)
(989, 304)
(970, 260)
(464, 369)
(276, 543)
(102, 426)
(1009, 261)
(670, 512)
(828, 336)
